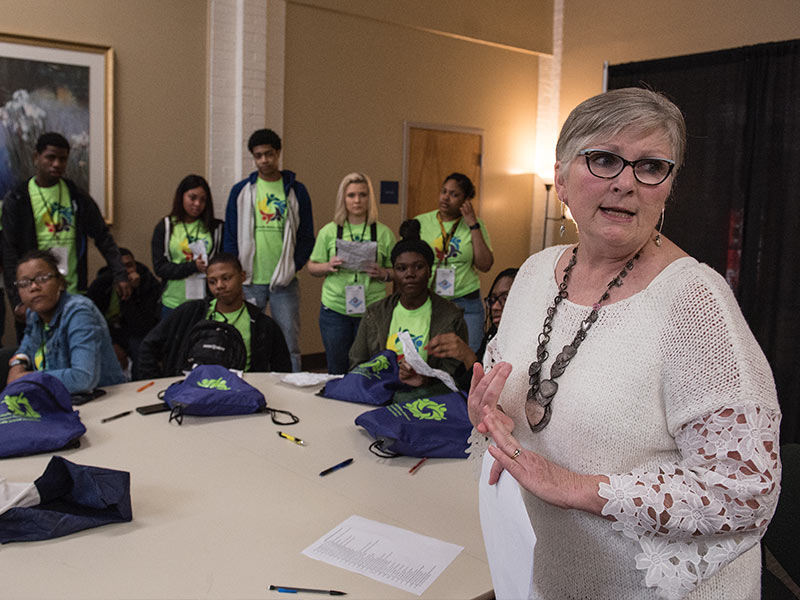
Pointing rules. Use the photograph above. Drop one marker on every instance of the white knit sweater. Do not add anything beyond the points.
(667, 387)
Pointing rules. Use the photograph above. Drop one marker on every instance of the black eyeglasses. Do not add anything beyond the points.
(492, 300)
(38, 280)
(607, 165)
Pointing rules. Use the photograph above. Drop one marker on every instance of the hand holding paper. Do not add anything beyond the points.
(415, 361)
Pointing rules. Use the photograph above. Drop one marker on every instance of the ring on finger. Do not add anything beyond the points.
(517, 452)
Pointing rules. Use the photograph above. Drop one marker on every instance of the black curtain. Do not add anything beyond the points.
(736, 201)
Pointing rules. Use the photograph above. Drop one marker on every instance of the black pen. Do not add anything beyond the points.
(294, 590)
(119, 416)
(341, 465)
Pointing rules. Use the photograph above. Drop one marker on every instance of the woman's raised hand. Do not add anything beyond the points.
(468, 213)
(484, 392)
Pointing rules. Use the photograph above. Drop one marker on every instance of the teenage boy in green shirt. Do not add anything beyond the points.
(270, 227)
(50, 212)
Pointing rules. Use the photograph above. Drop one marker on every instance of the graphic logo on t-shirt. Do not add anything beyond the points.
(18, 407)
(426, 409)
(452, 251)
(60, 221)
(372, 368)
(394, 343)
(271, 208)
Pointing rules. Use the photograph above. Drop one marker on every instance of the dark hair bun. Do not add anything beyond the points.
(409, 230)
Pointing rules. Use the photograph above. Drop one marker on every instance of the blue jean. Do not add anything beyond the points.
(475, 319)
(338, 334)
(285, 310)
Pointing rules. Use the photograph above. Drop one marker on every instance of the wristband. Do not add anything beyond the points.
(20, 359)
(474, 227)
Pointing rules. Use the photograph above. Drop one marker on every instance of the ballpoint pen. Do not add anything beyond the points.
(294, 590)
(119, 416)
(341, 465)
(291, 438)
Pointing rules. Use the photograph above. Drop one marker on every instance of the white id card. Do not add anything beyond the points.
(196, 286)
(62, 256)
(445, 281)
(355, 300)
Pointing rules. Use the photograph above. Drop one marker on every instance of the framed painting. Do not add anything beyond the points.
(50, 85)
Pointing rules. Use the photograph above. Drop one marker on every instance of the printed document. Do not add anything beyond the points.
(388, 554)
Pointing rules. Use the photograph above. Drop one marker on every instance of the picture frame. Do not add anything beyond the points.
(67, 87)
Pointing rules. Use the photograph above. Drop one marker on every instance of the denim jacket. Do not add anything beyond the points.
(78, 345)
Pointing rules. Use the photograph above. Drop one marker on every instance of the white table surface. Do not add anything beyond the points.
(223, 507)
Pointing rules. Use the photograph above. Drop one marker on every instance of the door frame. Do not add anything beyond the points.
(407, 125)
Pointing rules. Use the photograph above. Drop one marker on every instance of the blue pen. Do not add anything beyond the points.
(341, 465)
(294, 590)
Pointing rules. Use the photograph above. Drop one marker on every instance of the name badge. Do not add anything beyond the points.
(195, 286)
(62, 256)
(355, 300)
(445, 281)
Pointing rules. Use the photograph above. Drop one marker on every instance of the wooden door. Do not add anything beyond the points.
(432, 155)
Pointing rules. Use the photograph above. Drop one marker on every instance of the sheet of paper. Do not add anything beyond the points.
(416, 362)
(507, 534)
(356, 256)
(388, 554)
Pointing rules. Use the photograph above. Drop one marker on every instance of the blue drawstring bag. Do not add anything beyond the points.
(373, 382)
(66, 498)
(36, 415)
(419, 425)
(213, 390)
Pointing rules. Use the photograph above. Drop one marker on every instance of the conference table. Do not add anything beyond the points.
(223, 507)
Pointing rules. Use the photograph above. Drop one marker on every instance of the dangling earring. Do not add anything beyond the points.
(563, 228)
(657, 241)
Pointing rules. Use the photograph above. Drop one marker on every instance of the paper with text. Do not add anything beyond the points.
(388, 554)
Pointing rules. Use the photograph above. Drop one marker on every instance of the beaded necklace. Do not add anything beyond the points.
(541, 392)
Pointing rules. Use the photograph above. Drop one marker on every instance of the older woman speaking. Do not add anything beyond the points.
(639, 416)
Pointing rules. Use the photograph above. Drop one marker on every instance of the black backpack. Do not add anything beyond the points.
(215, 343)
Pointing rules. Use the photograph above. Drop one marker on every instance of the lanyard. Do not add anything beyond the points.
(446, 237)
(196, 232)
(363, 231)
(51, 209)
(225, 319)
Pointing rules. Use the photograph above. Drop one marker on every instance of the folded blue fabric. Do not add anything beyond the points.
(36, 415)
(71, 498)
(373, 382)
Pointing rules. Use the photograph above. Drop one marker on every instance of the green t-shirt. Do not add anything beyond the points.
(55, 225)
(333, 290)
(40, 357)
(182, 235)
(460, 253)
(239, 319)
(416, 322)
(269, 223)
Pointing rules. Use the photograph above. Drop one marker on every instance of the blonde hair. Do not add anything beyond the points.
(340, 212)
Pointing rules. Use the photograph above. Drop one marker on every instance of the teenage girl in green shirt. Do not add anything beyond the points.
(346, 293)
(178, 237)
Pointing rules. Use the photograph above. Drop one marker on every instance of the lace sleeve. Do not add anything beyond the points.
(479, 443)
(693, 517)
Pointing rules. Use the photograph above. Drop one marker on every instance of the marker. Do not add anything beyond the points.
(119, 416)
(291, 438)
(294, 590)
(341, 465)
(417, 466)
(145, 386)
